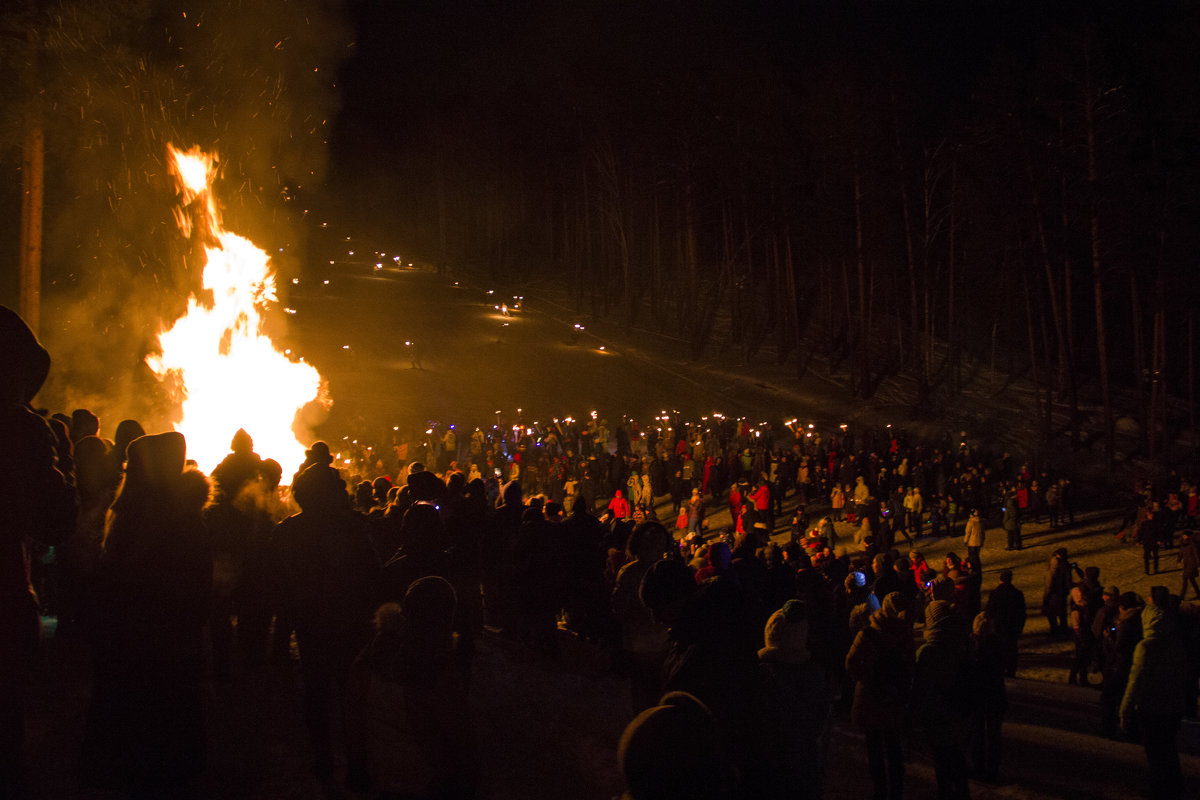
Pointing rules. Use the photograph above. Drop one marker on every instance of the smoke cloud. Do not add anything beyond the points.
(255, 82)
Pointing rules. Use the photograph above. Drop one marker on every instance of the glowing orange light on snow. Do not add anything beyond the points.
(226, 373)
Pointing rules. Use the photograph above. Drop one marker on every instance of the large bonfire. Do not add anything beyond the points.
(225, 372)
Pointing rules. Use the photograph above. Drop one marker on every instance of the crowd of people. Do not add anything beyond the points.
(738, 641)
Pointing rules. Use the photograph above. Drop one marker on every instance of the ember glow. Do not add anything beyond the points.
(219, 365)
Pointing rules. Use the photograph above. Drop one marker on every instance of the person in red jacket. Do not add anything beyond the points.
(619, 506)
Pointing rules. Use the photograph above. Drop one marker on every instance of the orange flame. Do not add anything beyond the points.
(228, 373)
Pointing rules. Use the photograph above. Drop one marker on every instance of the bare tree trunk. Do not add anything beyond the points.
(1139, 361)
(864, 343)
(588, 271)
(1158, 374)
(1066, 373)
(850, 347)
(951, 282)
(1098, 279)
(827, 282)
(737, 332)
(32, 185)
(1192, 380)
(656, 265)
(1068, 304)
(1043, 430)
(919, 367)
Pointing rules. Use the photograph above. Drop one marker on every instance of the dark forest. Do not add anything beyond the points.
(899, 187)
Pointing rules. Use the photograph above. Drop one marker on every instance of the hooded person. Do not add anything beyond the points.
(37, 503)
(145, 731)
(799, 702)
(880, 662)
(941, 689)
(239, 468)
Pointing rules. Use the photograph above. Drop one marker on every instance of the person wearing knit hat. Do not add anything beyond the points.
(798, 704)
(672, 751)
(786, 635)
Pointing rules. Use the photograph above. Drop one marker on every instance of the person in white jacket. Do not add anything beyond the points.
(973, 538)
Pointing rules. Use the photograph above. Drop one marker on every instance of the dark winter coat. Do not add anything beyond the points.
(880, 662)
(36, 500)
(328, 574)
(941, 678)
(1056, 586)
(1006, 608)
(145, 725)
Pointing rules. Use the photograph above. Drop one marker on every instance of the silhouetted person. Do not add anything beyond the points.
(799, 702)
(1117, 642)
(254, 595)
(408, 721)
(231, 525)
(989, 697)
(83, 423)
(145, 731)
(940, 696)
(36, 502)
(1055, 588)
(237, 469)
(1007, 612)
(127, 431)
(328, 574)
(712, 654)
(880, 662)
(1156, 697)
(78, 558)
